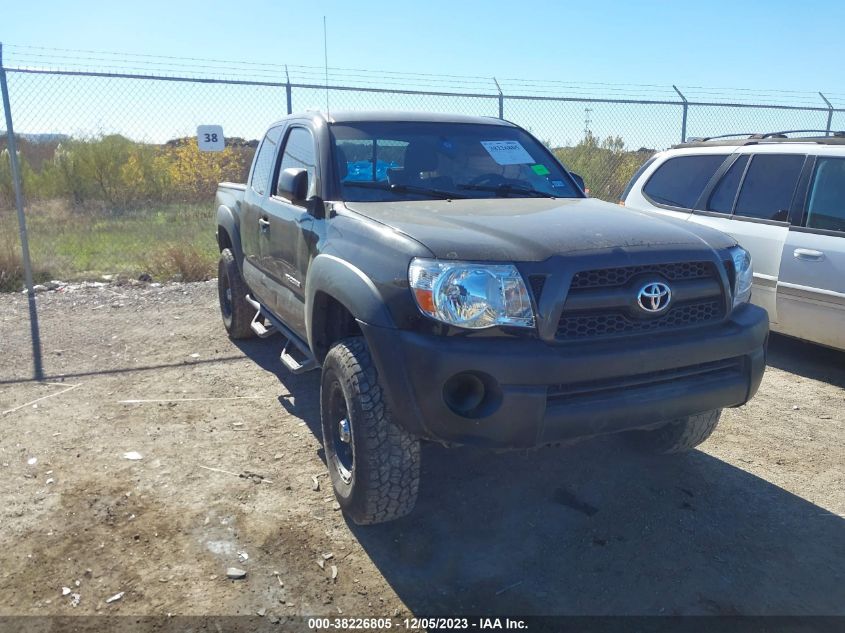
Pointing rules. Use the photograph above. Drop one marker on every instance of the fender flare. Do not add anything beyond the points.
(228, 221)
(349, 286)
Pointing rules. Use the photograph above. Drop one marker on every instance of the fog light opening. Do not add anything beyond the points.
(471, 395)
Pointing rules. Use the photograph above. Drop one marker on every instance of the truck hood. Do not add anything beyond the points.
(534, 229)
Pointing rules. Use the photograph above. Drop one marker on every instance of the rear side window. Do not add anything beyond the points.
(826, 202)
(768, 186)
(724, 194)
(263, 166)
(679, 181)
(636, 177)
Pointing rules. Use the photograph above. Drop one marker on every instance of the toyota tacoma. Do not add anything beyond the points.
(452, 282)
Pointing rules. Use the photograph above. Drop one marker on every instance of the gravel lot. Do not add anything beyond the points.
(751, 524)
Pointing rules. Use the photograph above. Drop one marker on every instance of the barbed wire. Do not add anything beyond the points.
(31, 57)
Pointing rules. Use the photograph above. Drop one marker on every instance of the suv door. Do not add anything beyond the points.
(252, 213)
(811, 287)
(752, 202)
(284, 246)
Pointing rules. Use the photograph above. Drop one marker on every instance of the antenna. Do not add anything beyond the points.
(326, 58)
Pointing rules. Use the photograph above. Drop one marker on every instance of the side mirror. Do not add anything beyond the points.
(293, 184)
(578, 180)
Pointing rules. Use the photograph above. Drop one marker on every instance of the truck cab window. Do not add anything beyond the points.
(300, 152)
(264, 162)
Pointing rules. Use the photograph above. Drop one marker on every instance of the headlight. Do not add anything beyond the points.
(473, 296)
(743, 275)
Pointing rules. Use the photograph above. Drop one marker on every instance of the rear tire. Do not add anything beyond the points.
(678, 436)
(373, 464)
(231, 291)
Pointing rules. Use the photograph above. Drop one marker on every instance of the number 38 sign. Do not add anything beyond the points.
(210, 138)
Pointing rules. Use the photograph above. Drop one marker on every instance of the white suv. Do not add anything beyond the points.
(783, 199)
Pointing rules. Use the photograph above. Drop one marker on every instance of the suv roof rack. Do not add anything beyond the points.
(831, 137)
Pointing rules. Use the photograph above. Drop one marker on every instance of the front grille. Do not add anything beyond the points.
(601, 302)
(611, 323)
(610, 277)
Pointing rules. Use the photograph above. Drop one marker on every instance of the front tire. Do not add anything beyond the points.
(678, 436)
(231, 291)
(374, 465)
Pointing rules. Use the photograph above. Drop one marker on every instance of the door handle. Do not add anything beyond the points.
(808, 254)
(264, 224)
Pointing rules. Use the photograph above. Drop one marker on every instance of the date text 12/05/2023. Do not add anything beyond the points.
(416, 623)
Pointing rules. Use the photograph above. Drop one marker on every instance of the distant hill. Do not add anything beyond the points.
(42, 138)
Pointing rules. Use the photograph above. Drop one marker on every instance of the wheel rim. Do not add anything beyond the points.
(343, 454)
(225, 294)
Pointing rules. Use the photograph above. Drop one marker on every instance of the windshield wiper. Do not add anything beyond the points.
(426, 191)
(505, 189)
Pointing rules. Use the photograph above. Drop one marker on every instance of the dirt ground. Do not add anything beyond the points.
(750, 524)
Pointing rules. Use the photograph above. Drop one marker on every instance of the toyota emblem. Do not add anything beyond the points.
(654, 297)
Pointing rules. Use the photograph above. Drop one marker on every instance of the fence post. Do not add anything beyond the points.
(684, 120)
(27, 265)
(829, 113)
(288, 90)
(501, 99)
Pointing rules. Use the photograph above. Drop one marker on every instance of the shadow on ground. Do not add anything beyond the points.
(599, 529)
(806, 359)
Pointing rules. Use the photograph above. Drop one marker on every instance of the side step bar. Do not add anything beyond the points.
(293, 363)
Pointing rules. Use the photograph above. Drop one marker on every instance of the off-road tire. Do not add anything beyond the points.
(237, 321)
(679, 435)
(385, 475)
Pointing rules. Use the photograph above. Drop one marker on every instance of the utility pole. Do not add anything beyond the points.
(587, 121)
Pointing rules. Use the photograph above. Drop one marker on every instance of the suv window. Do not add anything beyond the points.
(768, 186)
(640, 171)
(264, 161)
(300, 152)
(724, 194)
(826, 203)
(679, 181)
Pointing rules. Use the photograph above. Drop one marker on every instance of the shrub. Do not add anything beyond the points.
(606, 165)
(11, 269)
(181, 263)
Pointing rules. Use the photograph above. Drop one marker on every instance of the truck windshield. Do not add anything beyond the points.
(389, 161)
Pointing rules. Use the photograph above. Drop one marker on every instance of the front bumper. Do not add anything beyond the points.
(555, 393)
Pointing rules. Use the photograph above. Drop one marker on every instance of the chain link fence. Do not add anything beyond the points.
(114, 183)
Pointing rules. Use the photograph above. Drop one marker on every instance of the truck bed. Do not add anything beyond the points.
(230, 194)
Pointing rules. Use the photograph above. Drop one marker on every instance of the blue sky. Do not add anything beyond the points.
(770, 46)
(715, 43)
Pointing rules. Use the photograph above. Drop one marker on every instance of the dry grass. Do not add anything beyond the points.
(181, 263)
(11, 268)
(76, 243)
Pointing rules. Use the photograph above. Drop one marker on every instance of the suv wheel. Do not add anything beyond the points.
(231, 291)
(374, 465)
(679, 435)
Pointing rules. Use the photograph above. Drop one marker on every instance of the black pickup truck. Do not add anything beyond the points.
(453, 283)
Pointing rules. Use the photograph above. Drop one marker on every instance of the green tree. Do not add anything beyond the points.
(606, 166)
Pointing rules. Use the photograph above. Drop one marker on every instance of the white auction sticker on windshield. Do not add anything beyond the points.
(508, 152)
